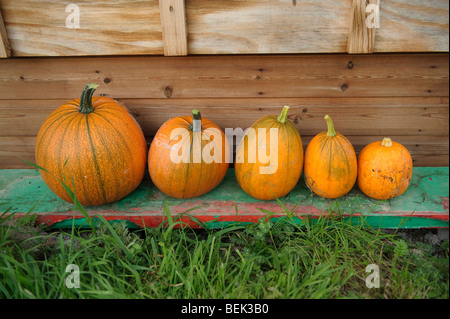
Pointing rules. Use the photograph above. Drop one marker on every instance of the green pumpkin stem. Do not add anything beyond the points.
(282, 118)
(196, 125)
(331, 132)
(86, 98)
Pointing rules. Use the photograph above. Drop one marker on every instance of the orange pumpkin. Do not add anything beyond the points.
(384, 169)
(188, 156)
(330, 163)
(95, 146)
(269, 162)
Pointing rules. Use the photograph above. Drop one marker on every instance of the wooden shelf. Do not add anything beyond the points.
(424, 204)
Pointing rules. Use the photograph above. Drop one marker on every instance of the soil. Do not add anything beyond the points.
(431, 238)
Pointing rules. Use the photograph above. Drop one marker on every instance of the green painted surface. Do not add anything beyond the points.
(385, 222)
(23, 190)
(82, 223)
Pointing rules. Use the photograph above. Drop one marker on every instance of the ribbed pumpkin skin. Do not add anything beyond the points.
(185, 180)
(289, 166)
(105, 151)
(384, 172)
(330, 165)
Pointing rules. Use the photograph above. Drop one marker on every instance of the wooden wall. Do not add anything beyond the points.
(124, 27)
(403, 96)
(240, 60)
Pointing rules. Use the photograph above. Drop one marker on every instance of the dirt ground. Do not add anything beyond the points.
(431, 237)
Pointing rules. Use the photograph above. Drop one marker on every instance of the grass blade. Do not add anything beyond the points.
(116, 237)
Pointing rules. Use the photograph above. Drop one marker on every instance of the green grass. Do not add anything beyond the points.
(321, 258)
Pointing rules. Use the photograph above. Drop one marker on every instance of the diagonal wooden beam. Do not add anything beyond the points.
(173, 24)
(361, 37)
(5, 48)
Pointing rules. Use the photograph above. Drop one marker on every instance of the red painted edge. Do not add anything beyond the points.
(220, 212)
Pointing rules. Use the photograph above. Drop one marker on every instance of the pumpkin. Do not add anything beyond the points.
(188, 156)
(94, 146)
(269, 159)
(330, 163)
(384, 169)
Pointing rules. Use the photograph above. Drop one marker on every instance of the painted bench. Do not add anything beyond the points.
(425, 204)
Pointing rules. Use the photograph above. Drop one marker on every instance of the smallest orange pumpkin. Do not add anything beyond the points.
(384, 169)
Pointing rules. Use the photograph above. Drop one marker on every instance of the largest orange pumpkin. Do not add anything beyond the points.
(95, 146)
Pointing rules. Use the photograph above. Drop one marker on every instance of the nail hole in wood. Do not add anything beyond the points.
(168, 92)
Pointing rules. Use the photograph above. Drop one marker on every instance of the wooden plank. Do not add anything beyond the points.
(13, 149)
(430, 151)
(219, 27)
(5, 47)
(425, 202)
(173, 24)
(42, 28)
(282, 76)
(404, 95)
(352, 116)
(254, 26)
(413, 26)
(361, 37)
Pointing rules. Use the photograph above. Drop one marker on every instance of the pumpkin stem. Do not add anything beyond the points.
(331, 132)
(86, 98)
(196, 125)
(282, 118)
(387, 142)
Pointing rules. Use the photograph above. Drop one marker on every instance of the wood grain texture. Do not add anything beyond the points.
(253, 26)
(38, 28)
(361, 37)
(402, 96)
(425, 116)
(282, 76)
(121, 27)
(413, 26)
(5, 47)
(426, 150)
(173, 25)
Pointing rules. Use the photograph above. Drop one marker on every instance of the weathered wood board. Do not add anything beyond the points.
(102, 27)
(73, 28)
(424, 204)
(5, 47)
(290, 26)
(402, 96)
(426, 150)
(255, 76)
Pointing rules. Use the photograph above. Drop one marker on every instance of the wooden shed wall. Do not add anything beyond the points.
(245, 59)
(124, 27)
(402, 96)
